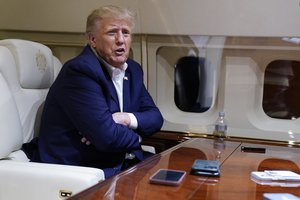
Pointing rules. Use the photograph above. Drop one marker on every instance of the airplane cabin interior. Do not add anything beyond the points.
(198, 58)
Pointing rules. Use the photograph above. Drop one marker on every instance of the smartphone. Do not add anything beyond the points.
(279, 196)
(206, 168)
(167, 177)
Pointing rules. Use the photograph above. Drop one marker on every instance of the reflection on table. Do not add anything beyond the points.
(234, 182)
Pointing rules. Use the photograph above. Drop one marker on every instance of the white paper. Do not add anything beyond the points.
(276, 175)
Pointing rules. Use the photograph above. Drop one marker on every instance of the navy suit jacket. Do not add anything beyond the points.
(80, 104)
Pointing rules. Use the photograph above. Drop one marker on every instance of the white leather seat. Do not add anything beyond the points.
(30, 80)
(27, 69)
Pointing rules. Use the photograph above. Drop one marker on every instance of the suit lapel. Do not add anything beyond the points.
(113, 92)
(109, 88)
(126, 92)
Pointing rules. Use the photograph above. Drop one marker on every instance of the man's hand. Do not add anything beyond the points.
(121, 118)
(84, 140)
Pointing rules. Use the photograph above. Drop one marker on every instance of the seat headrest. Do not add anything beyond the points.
(37, 71)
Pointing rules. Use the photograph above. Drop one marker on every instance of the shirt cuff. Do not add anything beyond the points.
(133, 121)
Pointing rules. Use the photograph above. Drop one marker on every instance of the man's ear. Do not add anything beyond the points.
(92, 39)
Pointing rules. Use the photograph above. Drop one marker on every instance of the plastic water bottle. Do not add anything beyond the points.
(220, 126)
(219, 146)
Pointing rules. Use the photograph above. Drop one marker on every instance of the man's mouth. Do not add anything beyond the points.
(120, 51)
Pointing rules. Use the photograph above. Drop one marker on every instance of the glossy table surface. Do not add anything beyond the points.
(234, 183)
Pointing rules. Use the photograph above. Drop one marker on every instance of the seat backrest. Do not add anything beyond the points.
(10, 125)
(36, 69)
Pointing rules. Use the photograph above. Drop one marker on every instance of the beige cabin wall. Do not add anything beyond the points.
(175, 17)
(54, 15)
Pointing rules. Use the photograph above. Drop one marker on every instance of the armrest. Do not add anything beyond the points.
(35, 181)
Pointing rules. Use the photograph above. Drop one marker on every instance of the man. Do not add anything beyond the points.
(98, 107)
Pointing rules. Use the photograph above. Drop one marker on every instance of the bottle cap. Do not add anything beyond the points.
(221, 113)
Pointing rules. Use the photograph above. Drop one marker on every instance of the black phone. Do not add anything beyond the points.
(167, 177)
(206, 168)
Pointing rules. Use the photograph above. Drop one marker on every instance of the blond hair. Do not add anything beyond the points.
(109, 11)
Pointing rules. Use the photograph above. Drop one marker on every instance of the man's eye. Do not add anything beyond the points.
(111, 33)
(126, 34)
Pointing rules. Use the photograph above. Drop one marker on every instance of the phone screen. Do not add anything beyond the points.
(167, 176)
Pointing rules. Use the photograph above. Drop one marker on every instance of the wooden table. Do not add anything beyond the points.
(234, 183)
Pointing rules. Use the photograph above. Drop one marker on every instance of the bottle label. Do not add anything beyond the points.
(221, 127)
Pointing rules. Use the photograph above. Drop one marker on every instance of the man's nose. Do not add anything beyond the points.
(120, 37)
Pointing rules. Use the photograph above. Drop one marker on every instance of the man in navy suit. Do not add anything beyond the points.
(98, 107)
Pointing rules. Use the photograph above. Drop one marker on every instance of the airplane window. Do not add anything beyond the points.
(190, 84)
(281, 89)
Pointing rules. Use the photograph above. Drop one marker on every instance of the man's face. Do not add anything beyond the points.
(112, 40)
